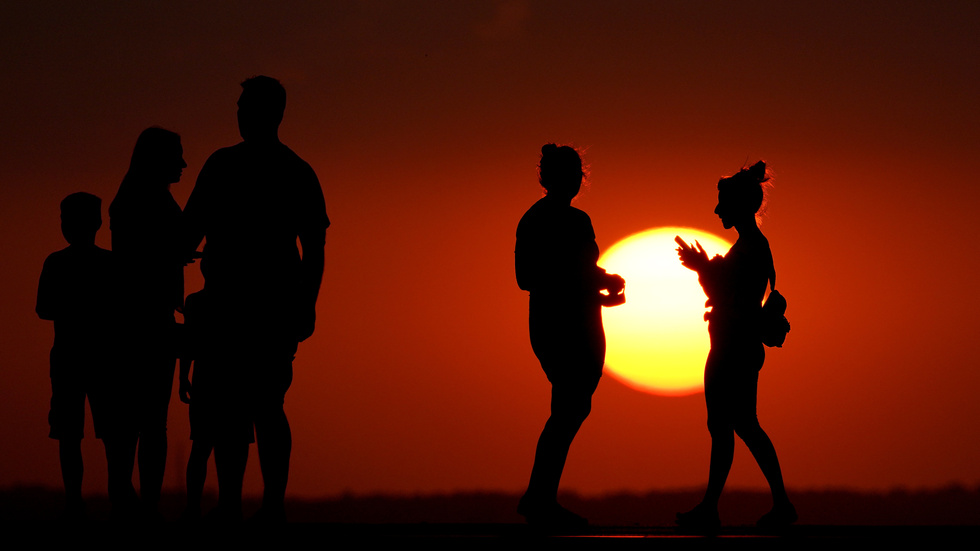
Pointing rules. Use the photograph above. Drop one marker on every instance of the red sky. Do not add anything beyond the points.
(424, 120)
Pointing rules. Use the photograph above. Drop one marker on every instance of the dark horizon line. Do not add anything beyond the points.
(951, 505)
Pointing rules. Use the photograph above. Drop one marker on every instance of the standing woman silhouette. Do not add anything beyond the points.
(735, 285)
(145, 224)
(555, 259)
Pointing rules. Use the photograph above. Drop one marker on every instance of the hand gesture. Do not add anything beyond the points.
(616, 287)
(692, 258)
(615, 284)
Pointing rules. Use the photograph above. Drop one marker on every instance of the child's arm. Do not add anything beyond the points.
(46, 307)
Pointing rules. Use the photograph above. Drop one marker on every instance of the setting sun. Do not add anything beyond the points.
(658, 341)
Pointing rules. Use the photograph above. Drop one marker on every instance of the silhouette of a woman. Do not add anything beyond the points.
(555, 258)
(145, 224)
(735, 285)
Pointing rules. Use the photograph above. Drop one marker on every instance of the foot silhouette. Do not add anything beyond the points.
(780, 516)
(702, 518)
(549, 515)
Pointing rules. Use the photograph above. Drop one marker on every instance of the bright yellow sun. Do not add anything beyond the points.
(658, 341)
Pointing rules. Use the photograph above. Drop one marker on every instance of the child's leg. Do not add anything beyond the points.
(70, 453)
(67, 420)
(230, 458)
(197, 472)
(120, 453)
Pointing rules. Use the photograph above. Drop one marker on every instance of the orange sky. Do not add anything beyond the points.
(424, 122)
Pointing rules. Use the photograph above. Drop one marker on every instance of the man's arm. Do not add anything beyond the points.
(193, 216)
(312, 238)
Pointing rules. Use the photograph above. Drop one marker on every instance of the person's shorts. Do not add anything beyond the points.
(66, 417)
(217, 409)
(731, 382)
(272, 375)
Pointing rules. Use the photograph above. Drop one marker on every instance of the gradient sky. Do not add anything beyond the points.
(424, 121)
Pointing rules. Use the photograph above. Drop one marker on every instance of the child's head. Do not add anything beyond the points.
(81, 218)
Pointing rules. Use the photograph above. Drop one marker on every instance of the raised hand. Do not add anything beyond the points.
(692, 258)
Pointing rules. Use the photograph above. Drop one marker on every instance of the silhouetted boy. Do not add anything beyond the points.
(193, 350)
(75, 292)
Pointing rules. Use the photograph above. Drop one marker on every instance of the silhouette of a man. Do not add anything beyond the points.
(252, 201)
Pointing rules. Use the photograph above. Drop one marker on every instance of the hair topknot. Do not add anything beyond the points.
(560, 167)
(750, 185)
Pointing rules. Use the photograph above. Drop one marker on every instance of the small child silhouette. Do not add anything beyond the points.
(75, 292)
(207, 393)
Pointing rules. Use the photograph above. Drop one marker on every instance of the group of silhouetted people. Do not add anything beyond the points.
(116, 337)
(117, 341)
(555, 260)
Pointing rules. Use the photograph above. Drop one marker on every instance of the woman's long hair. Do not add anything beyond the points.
(154, 148)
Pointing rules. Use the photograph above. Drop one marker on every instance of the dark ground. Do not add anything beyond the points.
(827, 518)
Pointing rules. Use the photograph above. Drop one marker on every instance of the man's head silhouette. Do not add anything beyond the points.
(260, 108)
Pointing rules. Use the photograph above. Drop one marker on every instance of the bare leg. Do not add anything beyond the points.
(230, 459)
(275, 441)
(153, 462)
(570, 406)
(70, 454)
(157, 387)
(120, 452)
(197, 472)
(555, 440)
(783, 513)
(722, 454)
(762, 449)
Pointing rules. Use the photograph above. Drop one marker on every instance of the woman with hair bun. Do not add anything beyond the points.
(735, 285)
(555, 260)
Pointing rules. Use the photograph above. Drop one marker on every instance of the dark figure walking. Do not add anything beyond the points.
(75, 291)
(145, 224)
(735, 285)
(555, 258)
(252, 201)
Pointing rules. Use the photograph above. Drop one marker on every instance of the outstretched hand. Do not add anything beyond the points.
(691, 258)
(615, 285)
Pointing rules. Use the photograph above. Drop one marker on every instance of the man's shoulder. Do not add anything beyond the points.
(292, 158)
(229, 153)
(241, 153)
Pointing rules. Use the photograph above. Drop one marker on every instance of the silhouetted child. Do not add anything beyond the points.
(206, 393)
(75, 291)
(193, 350)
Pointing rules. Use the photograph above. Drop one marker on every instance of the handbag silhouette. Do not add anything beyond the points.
(775, 326)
